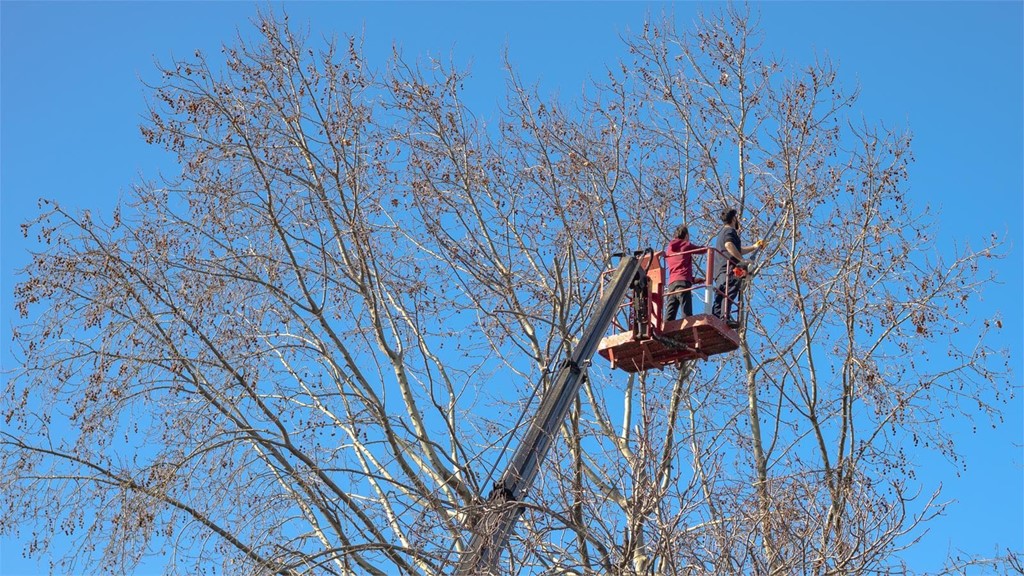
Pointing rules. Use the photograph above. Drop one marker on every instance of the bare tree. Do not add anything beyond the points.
(310, 351)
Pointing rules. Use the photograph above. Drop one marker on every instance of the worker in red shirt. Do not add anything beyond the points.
(679, 262)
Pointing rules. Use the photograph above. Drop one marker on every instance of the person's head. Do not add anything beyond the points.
(683, 233)
(731, 218)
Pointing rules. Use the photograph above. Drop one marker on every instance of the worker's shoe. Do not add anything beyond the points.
(734, 324)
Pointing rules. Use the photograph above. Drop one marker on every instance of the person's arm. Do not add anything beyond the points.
(731, 249)
(738, 253)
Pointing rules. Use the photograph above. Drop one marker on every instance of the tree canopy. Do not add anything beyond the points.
(310, 351)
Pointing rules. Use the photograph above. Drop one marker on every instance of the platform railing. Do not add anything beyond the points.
(706, 286)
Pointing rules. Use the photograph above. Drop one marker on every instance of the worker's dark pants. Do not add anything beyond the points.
(731, 288)
(672, 302)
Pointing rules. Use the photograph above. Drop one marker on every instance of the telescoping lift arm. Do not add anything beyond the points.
(494, 527)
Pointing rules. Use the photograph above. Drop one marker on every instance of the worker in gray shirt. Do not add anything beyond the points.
(729, 284)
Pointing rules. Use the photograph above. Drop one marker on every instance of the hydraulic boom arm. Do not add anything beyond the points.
(494, 527)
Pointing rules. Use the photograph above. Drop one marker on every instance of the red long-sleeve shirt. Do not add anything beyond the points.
(679, 260)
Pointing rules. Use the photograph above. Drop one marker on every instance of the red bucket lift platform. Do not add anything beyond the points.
(692, 337)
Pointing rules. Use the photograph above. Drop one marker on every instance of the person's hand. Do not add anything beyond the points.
(759, 244)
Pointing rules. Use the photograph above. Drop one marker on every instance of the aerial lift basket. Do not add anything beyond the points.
(645, 341)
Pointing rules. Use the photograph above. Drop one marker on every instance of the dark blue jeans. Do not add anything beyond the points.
(731, 288)
(673, 301)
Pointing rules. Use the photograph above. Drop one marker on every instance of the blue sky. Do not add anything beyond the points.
(71, 99)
